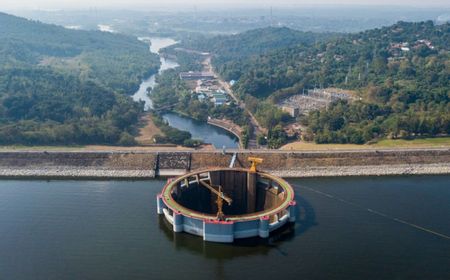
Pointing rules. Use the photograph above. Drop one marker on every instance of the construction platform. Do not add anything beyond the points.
(224, 204)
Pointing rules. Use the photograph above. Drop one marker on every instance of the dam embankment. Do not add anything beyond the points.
(289, 164)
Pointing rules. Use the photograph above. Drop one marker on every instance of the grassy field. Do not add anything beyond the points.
(39, 148)
(438, 142)
(96, 148)
(147, 131)
(385, 143)
(421, 142)
(312, 146)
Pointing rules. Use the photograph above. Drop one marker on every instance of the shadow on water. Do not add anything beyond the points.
(305, 219)
(305, 216)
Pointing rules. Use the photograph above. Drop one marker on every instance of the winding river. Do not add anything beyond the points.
(155, 45)
(208, 133)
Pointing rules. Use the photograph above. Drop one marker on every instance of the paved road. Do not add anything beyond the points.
(138, 150)
(257, 127)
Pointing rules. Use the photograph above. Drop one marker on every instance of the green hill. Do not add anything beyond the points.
(231, 50)
(402, 73)
(115, 61)
(60, 86)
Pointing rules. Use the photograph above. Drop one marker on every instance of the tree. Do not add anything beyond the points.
(126, 140)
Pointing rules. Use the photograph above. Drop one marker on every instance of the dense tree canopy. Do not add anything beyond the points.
(42, 107)
(60, 86)
(113, 60)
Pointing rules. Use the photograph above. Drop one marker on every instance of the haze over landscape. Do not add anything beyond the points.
(225, 98)
(178, 4)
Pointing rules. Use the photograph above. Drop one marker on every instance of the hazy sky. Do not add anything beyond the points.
(177, 4)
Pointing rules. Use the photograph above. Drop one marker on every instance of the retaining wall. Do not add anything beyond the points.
(281, 163)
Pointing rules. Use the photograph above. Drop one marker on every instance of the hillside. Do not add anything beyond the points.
(60, 86)
(329, 61)
(252, 42)
(115, 61)
(230, 50)
(401, 72)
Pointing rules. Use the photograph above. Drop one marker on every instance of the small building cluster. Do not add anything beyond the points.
(423, 42)
(302, 104)
(207, 88)
(397, 49)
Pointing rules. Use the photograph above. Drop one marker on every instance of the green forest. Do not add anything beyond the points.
(401, 74)
(63, 87)
(60, 86)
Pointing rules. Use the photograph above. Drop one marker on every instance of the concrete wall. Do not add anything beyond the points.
(339, 163)
(77, 164)
(282, 163)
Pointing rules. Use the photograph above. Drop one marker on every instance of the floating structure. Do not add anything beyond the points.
(224, 204)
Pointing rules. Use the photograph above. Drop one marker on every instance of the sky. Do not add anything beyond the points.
(177, 4)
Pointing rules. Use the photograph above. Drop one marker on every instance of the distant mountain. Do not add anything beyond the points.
(229, 48)
(253, 42)
(443, 18)
(61, 86)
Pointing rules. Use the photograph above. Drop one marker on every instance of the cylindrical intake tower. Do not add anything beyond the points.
(224, 204)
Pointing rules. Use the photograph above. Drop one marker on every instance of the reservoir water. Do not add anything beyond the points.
(347, 228)
(208, 133)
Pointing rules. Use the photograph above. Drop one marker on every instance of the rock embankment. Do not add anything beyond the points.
(101, 165)
(75, 173)
(142, 165)
(369, 170)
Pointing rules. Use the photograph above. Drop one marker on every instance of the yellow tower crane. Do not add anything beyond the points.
(255, 161)
(220, 198)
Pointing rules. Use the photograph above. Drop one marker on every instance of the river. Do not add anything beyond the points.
(208, 133)
(347, 228)
(156, 44)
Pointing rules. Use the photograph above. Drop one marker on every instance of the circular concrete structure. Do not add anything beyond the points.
(224, 204)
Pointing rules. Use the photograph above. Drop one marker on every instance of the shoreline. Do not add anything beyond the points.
(223, 125)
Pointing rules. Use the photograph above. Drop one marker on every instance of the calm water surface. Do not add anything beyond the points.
(208, 133)
(347, 228)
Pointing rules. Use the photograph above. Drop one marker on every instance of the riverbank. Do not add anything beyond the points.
(208, 133)
(228, 126)
(151, 164)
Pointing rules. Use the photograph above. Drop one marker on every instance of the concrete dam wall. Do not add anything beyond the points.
(135, 165)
